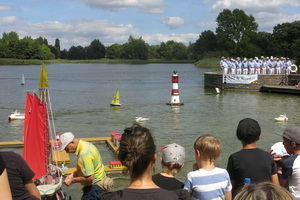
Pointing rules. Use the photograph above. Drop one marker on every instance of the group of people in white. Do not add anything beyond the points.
(264, 65)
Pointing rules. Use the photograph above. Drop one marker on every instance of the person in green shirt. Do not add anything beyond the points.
(89, 167)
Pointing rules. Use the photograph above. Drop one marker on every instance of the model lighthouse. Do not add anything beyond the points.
(175, 92)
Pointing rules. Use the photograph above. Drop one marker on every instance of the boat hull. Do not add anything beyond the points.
(16, 116)
(115, 104)
(281, 120)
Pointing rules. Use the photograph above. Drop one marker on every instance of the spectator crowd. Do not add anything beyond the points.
(262, 65)
(251, 172)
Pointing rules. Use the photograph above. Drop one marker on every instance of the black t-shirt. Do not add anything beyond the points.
(19, 174)
(2, 165)
(167, 183)
(251, 163)
(146, 194)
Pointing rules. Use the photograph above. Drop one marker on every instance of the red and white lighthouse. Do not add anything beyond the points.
(175, 92)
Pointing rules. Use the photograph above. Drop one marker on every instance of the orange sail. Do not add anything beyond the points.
(36, 135)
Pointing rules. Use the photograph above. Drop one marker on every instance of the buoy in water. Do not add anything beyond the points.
(175, 92)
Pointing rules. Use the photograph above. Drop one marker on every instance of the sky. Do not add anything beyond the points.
(79, 22)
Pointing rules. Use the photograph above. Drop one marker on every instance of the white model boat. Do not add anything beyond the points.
(140, 119)
(16, 116)
(281, 118)
(23, 80)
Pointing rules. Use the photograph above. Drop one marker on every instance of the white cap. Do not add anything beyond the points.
(278, 149)
(65, 139)
(173, 153)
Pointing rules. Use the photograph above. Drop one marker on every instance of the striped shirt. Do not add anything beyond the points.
(89, 161)
(208, 184)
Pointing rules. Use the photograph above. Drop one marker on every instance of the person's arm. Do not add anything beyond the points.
(228, 195)
(32, 189)
(284, 183)
(274, 179)
(83, 179)
(78, 179)
(5, 192)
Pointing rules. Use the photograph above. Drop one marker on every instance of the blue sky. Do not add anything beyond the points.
(79, 22)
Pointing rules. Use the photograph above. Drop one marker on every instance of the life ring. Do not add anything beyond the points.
(293, 68)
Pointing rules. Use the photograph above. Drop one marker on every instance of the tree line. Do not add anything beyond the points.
(236, 35)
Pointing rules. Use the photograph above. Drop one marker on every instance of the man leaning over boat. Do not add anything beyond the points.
(89, 167)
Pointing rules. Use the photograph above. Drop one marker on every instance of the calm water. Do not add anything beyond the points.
(81, 93)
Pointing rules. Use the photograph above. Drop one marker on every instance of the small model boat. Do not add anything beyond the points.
(23, 80)
(281, 118)
(116, 100)
(140, 119)
(16, 116)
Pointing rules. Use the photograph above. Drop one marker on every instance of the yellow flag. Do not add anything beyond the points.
(43, 78)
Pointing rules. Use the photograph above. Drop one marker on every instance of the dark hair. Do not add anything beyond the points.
(136, 149)
(248, 130)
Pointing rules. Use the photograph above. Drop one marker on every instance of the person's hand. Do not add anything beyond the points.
(275, 156)
(69, 180)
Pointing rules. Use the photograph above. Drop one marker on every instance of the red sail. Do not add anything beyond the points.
(36, 135)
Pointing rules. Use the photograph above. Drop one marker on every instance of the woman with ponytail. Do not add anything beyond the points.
(137, 152)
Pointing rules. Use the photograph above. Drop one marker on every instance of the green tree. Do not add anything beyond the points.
(135, 49)
(95, 50)
(234, 28)
(76, 53)
(286, 35)
(206, 43)
(179, 51)
(153, 52)
(113, 51)
(57, 48)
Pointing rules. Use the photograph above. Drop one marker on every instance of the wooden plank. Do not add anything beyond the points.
(59, 157)
(11, 143)
(286, 89)
(107, 169)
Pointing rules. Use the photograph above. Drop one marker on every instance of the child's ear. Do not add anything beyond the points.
(198, 154)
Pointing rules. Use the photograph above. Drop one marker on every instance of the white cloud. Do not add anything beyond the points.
(8, 19)
(254, 5)
(185, 38)
(78, 32)
(172, 22)
(4, 8)
(150, 6)
(266, 13)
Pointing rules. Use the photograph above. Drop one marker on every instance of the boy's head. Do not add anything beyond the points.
(291, 139)
(208, 146)
(173, 156)
(248, 130)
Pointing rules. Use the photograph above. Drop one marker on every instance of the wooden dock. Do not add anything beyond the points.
(59, 157)
(285, 89)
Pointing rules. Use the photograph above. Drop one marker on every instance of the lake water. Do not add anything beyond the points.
(81, 94)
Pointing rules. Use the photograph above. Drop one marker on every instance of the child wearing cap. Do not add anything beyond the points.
(279, 155)
(208, 181)
(291, 166)
(172, 160)
(250, 162)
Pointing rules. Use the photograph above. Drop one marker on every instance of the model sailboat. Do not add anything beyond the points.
(38, 129)
(23, 80)
(116, 100)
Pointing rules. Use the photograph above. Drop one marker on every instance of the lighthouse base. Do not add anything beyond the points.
(175, 104)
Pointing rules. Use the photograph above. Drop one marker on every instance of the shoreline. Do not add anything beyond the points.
(9, 61)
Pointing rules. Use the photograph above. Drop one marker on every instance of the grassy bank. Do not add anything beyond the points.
(208, 62)
(7, 61)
